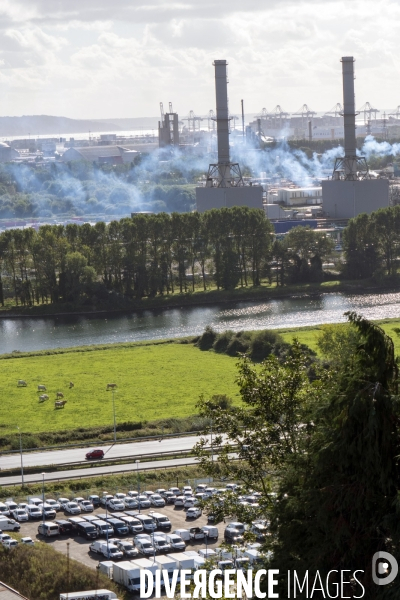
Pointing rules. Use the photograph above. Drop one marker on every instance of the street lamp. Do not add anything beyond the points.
(105, 495)
(20, 449)
(138, 481)
(43, 474)
(115, 424)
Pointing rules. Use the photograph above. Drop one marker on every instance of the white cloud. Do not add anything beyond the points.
(103, 58)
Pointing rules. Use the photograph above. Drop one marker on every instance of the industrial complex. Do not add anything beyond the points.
(251, 162)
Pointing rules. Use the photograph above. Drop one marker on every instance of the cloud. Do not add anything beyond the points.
(107, 59)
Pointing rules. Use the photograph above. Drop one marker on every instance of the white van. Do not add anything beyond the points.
(34, 512)
(7, 524)
(147, 522)
(210, 531)
(183, 533)
(175, 541)
(89, 595)
(48, 529)
(4, 511)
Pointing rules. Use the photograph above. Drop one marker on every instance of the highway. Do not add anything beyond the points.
(94, 471)
(74, 455)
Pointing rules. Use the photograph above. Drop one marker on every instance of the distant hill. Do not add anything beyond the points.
(54, 126)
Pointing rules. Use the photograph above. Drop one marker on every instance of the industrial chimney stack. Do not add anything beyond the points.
(350, 167)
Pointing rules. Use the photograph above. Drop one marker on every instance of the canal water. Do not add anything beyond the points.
(60, 332)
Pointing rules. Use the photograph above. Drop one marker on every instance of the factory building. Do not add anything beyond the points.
(224, 184)
(112, 155)
(7, 153)
(351, 191)
(299, 196)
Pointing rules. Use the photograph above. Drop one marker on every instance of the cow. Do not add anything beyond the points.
(59, 395)
(60, 404)
(43, 397)
(111, 386)
(21, 383)
(41, 388)
(71, 384)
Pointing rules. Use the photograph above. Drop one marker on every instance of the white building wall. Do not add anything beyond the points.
(214, 197)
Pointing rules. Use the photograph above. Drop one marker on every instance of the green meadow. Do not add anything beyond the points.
(154, 382)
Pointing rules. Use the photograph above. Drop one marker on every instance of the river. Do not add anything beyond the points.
(61, 332)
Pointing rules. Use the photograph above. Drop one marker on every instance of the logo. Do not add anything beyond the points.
(384, 568)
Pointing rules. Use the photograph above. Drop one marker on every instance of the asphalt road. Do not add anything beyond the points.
(74, 455)
(93, 471)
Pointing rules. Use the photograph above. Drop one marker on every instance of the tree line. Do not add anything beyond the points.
(371, 244)
(154, 254)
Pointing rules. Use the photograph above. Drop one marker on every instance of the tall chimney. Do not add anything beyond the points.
(221, 93)
(349, 117)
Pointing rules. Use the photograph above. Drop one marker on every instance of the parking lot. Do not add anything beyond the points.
(79, 546)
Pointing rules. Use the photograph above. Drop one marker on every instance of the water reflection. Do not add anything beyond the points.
(38, 334)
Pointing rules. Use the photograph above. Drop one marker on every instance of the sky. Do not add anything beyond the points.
(102, 59)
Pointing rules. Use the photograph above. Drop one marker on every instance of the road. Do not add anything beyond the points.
(94, 471)
(74, 455)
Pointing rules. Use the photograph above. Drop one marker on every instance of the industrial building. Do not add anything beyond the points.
(113, 155)
(224, 183)
(168, 128)
(294, 196)
(351, 191)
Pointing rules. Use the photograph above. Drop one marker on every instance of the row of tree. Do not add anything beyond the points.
(154, 254)
(372, 243)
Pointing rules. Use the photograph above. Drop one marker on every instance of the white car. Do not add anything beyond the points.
(161, 491)
(115, 504)
(72, 508)
(23, 505)
(11, 505)
(28, 541)
(144, 502)
(48, 511)
(9, 544)
(120, 495)
(86, 506)
(193, 513)
(19, 514)
(187, 488)
(4, 537)
(53, 504)
(63, 502)
(180, 501)
(130, 502)
(133, 494)
(156, 500)
(189, 502)
(78, 499)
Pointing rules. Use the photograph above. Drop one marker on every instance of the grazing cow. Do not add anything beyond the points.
(60, 404)
(41, 388)
(22, 383)
(59, 395)
(111, 386)
(71, 384)
(43, 397)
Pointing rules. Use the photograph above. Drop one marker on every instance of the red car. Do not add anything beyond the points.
(98, 453)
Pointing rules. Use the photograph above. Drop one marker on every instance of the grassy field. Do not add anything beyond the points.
(154, 382)
(309, 335)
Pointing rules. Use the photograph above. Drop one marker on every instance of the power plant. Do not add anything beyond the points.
(351, 191)
(224, 183)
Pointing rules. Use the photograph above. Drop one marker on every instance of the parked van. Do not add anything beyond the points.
(48, 528)
(175, 541)
(74, 522)
(210, 531)
(161, 521)
(36, 501)
(161, 544)
(7, 524)
(89, 595)
(4, 511)
(119, 527)
(183, 533)
(103, 528)
(64, 526)
(135, 526)
(87, 530)
(147, 522)
(34, 512)
(108, 550)
(11, 505)
(128, 575)
(106, 567)
(166, 563)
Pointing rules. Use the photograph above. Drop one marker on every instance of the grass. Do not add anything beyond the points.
(155, 381)
(309, 335)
